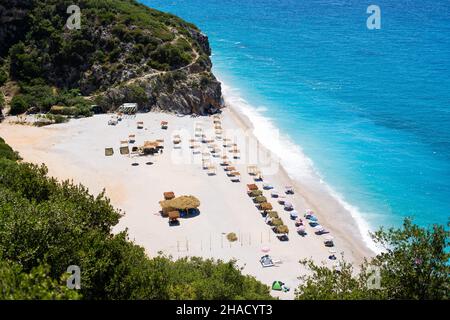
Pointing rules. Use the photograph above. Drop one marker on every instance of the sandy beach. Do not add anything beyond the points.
(76, 151)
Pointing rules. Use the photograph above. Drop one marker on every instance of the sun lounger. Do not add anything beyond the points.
(289, 190)
(267, 186)
(288, 206)
(266, 261)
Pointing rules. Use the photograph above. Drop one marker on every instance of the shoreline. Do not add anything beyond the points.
(313, 194)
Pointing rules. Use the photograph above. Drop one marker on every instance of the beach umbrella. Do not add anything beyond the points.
(282, 229)
(294, 214)
(181, 203)
(274, 194)
(273, 214)
(318, 227)
(288, 206)
(265, 249)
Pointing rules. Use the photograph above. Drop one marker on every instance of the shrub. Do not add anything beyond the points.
(3, 77)
(18, 105)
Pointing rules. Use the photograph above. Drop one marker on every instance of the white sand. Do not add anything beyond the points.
(75, 150)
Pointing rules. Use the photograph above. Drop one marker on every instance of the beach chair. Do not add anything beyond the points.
(164, 125)
(140, 125)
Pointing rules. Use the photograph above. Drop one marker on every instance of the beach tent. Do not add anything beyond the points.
(277, 285)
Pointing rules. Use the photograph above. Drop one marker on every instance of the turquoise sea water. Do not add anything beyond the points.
(370, 108)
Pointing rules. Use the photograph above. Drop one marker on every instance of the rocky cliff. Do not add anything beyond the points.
(123, 52)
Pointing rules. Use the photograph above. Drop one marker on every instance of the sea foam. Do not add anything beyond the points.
(298, 166)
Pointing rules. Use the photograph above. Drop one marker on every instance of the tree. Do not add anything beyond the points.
(413, 265)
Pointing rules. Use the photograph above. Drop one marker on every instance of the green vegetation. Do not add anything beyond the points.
(6, 152)
(3, 76)
(414, 265)
(118, 40)
(46, 226)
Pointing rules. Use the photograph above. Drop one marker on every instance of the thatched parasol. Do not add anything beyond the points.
(181, 203)
(277, 222)
(252, 187)
(282, 229)
(266, 206)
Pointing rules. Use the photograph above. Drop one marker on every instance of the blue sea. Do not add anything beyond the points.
(370, 109)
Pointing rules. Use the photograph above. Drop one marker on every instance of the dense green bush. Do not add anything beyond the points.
(19, 105)
(414, 264)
